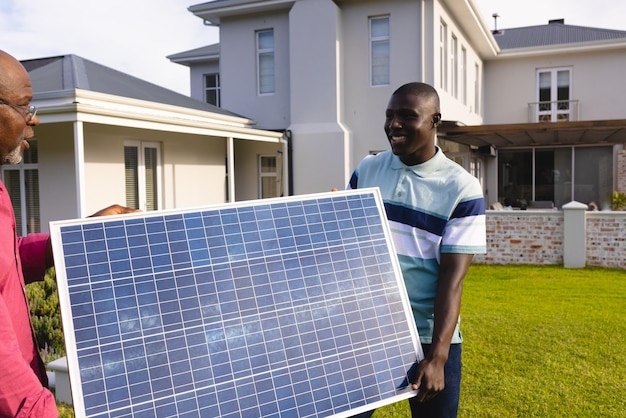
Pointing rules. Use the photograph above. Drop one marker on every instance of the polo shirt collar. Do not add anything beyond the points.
(420, 169)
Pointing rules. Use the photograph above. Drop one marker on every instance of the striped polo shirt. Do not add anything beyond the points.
(434, 207)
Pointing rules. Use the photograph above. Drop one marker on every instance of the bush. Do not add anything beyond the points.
(46, 317)
(618, 200)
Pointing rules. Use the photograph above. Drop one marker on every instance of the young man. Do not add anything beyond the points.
(436, 212)
(23, 380)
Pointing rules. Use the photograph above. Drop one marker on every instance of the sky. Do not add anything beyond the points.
(135, 36)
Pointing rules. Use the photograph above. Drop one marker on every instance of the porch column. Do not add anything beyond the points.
(575, 235)
(79, 161)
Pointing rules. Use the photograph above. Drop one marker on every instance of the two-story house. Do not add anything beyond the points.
(537, 114)
(555, 115)
(323, 71)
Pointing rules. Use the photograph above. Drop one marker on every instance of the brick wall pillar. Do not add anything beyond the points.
(621, 171)
(574, 235)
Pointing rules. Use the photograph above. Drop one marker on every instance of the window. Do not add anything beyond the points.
(463, 71)
(443, 55)
(559, 175)
(454, 66)
(22, 183)
(142, 162)
(269, 185)
(212, 89)
(553, 95)
(379, 51)
(265, 61)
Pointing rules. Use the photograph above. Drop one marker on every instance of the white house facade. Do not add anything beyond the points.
(323, 71)
(555, 112)
(551, 104)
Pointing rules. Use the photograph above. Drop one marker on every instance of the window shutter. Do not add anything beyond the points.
(132, 177)
(150, 163)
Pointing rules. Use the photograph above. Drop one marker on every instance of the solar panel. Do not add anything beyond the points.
(280, 307)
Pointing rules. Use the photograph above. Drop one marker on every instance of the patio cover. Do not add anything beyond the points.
(598, 132)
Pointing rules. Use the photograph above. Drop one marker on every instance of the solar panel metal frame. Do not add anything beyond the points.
(345, 369)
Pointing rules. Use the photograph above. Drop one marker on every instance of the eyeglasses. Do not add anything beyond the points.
(32, 110)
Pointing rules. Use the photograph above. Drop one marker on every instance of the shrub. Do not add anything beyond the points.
(46, 317)
(618, 200)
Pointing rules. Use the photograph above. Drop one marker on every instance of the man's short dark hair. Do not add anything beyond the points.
(419, 89)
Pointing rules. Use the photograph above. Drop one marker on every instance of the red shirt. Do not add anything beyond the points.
(23, 381)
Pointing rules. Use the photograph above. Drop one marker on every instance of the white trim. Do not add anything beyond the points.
(230, 161)
(260, 51)
(373, 39)
(274, 174)
(84, 106)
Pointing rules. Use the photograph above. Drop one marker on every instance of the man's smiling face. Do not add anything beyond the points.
(409, 127)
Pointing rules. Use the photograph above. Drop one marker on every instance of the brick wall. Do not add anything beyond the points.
(537, 237)
(523, 237)
(606, 239)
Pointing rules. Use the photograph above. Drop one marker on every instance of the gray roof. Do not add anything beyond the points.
(69, 72)
(556, 32)
(198, 54)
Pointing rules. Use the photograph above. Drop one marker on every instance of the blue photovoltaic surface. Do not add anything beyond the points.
(282, 307)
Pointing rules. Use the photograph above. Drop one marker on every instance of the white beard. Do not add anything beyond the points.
(14, 157)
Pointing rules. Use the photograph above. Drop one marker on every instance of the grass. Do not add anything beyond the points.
(539, 342)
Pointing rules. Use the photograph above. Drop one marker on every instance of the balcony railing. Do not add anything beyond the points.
(556, 111)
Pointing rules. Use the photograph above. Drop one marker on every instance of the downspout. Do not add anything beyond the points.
(79, 161)
(288, 144)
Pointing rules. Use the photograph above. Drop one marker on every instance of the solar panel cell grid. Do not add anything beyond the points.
(287, 307)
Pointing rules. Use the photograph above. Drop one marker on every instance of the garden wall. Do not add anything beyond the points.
(538, 237)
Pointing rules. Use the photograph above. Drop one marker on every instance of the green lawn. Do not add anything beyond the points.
(540, 342)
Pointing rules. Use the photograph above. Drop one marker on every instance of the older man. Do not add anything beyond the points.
(23, 381)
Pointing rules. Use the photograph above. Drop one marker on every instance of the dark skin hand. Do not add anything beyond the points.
(110, 210)
(428, 377)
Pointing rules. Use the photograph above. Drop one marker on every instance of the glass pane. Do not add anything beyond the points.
(266, 72)
(515, 177)
(380, 27)
(132, 177)
(553, 175)
(563, 85)
(150, 162)
(593, 175)
(31, 183)
(268, 164)
(210, 80)
(562, 78)
(380, 63)
(12, 184)
(211, 97)
(269, 187)
(266, 39)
